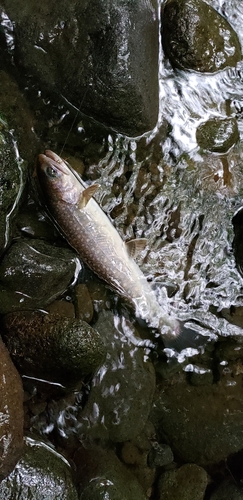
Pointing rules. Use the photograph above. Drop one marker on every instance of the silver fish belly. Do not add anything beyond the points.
(90, 232)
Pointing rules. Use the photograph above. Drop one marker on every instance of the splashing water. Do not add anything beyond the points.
(180, 199)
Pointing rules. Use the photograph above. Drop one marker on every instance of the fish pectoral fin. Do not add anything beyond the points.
(86, 195)
(136, 246)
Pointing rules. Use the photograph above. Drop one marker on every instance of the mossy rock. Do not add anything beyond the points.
(196, 37)
(218, 135)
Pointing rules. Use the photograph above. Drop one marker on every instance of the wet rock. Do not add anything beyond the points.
(31, 222)
(234, 314)
(122, 390)
(228, 354)
(70, 348)
(189, 482)
(101, 475)
(108, 53)
(136, 460)
(131, 454)
(227, 489)
(181, 413)
(201, 376)
(11, 414)
(63, 308)
(160, 455)
(33, 273)
(41, 473)
(17, 112)
(12, 179)
(218, 135)
(83, 303)
(195, 36)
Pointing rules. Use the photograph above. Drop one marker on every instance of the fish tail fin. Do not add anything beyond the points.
(184, 336)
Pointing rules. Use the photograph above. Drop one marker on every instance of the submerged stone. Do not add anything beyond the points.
(218, 135)
(202, 424)
(189, 482)
(101, 475)
(160, 455)
(122, 389)
(108, 52)
(51, 347)
(41, 473)
(195, 36)
(33, 273)
(11, 414)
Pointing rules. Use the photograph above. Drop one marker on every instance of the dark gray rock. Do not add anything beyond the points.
(195, 36)
(227, 489)
(101, 475)
(101, 56)
(160, 455)
(122, 390)
(41, 473)
(12, 180)
(189, 482)
(21, 120)
(33, 273)
(11, 414)
(218, 135)
(49, 346)
(202, 424)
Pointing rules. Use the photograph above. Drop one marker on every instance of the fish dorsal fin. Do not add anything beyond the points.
(86, 194)
(136, 246)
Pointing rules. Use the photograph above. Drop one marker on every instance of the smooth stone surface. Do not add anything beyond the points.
(107, 51)
(181, 412)
(83, 304)
(53, 347)
(217, 135)
(160, 455)
(195, 36)
(189, 482)
(11, 413)
(40, 474)
(101, 475)
(33, 273)
(122, 389)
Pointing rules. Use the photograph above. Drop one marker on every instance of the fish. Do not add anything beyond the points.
(86, 227)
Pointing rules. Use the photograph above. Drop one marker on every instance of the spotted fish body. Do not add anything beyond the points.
(90, 232)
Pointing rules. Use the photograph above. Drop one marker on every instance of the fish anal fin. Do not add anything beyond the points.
(86, 195)
(136, 246)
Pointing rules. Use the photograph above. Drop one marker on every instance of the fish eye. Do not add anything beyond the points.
(52, 172)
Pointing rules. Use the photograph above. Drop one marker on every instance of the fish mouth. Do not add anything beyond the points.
(51, 159)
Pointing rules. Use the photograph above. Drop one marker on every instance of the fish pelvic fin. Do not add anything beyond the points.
(86, 195)
(136, 246)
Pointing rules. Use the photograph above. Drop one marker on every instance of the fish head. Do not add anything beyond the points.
(56, 179)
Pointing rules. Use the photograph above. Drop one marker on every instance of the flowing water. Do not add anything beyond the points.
(163, 187)
(181, 198)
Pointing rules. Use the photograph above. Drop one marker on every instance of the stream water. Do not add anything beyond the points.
(183, 200)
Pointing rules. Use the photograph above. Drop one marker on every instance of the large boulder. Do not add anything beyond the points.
(101, 56)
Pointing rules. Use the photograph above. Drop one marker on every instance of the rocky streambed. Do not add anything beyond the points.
(146, 100)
